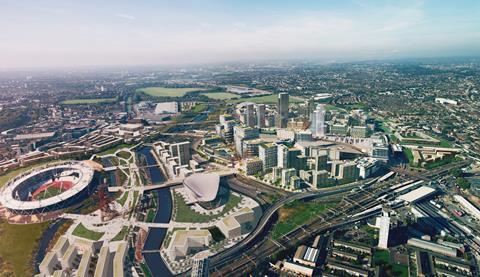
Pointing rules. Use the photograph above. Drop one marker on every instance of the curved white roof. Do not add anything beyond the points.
(204, 186)
(8, 201)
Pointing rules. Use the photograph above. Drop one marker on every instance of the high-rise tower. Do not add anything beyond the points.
(282, 109)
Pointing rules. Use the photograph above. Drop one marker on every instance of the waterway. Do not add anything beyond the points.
(155, 236)
(47, 236)
(155, 172)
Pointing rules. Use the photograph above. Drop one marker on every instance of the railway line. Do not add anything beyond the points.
(246, 256)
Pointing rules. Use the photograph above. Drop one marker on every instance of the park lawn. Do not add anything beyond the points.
(409, 155)
(123, 198)
(17, 245)
(200, 107)
(167, 92)
(124, 155)
(114, 149)
(329, 107)
(150, 215)
(295, 214)
(89, 101)
(121, 235)
(267, 99)
(183, 213)
(220, 95)
(83, 232)
(382, 258)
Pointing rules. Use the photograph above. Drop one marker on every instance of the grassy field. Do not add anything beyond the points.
(382, 258)
(17, 245)
(18, 242)
(167, 92)
(267, 99)
(50, 192)
(183, 213)
(88, 101)
(81, 231)
(221, 95)
(295, 214)
(114, 149)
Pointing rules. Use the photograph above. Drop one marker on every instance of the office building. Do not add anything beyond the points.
(260, 115)
(250, 148)
(243, 133)
(253, 166)
(320, 161)
(287, 174)
(250, 119)
(383, 222)
(359, 132)
(345, 170)
(282, 110)
(181, 150)
(339, 129)
(295, 182)
(320, 178)
(318, 127)
(267, 152)
(290, 157)
(303, 136)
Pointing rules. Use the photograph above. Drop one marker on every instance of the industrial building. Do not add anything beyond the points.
(434, 247)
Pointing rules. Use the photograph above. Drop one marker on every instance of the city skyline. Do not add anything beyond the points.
(64, 34)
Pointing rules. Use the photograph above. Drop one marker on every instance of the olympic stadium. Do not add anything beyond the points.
(48, 188)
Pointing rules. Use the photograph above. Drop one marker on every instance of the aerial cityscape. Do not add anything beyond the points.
(311, 158)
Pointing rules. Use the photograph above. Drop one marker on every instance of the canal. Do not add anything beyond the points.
(155, 236)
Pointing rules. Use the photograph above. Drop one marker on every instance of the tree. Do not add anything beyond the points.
(463, 183)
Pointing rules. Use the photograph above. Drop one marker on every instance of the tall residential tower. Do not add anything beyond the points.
(282, 109)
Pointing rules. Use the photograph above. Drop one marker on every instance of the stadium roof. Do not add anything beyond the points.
(7, 194)
(204, 186)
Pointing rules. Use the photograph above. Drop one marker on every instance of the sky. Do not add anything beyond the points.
(51, 33)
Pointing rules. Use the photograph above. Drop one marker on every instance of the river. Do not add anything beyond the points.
(155, 236)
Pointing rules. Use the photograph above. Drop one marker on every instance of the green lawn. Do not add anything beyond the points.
(17, 245)
(81, 231)
(382, 258)
(295, 214)
(220, 95)
(122, 199)
(150, 215)
(267, 99)
(200, 107)
(409, 155)
(50, 192)
(88, 101)
(121, 235)
(114, 149)
(183, 213)
(167, 92)
(329, 107)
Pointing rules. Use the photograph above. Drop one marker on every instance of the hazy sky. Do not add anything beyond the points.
(74, 33)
